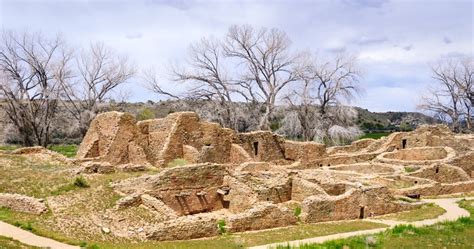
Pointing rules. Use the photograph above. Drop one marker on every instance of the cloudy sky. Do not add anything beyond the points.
(396, 41)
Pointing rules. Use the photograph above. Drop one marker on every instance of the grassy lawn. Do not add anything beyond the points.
(68, 150)
(9, 243)
(36, 178)
(9, 147)
(454, 234)
(375, 135)
(427, 211)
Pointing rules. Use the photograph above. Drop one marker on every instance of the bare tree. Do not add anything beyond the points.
(268, 64)
(463, 76)
(207, 80)
(451, 95)
(320, 96)
(31, 68)
(99, 72)
(304, 112)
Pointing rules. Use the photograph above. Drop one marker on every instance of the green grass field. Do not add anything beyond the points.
(454, 234)
(68, 150)
(9, 147)
(427, 211)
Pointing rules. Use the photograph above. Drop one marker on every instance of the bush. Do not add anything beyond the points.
(145, 113)
(410, 169)
(402, 229)
(297, 212)
(221, 226)
(24, 226)
(81, 182)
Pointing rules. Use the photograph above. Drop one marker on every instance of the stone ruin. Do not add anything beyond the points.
(256, 180)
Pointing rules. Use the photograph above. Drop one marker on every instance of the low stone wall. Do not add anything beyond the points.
(262, 216)
(442, 173)
(188, 227)
(303, 151)
(22, 203)
(438, 189)
(355, 203)
(342, 159)
(465, 162)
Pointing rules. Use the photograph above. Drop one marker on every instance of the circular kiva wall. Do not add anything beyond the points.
(419, 155)
(366, 168)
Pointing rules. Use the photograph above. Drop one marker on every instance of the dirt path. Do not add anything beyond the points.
(30, 238)
(453, 212)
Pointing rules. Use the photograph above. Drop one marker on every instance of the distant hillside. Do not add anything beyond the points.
(392, 121)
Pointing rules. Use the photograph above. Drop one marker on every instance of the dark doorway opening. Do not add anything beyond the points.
(255, 148)
(404, 143)
(362, 212)
(225, 204)
(437, 170)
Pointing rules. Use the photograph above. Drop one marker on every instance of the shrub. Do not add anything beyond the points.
(85, 245)
(401, 229)
(81, 182)
(221, 226)
(145, 113)
(24, 226)
(410, 169)
(297, 212)
(465, 220)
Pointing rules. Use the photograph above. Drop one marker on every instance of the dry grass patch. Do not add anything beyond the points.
(424, 212)
(19, 174)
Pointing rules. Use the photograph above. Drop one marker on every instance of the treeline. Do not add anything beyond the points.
(242, 80)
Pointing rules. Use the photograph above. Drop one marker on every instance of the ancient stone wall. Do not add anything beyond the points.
(354, 204)
(118, 139)
(22, 203)
(263, 145)
(186, 190)
(443, 173)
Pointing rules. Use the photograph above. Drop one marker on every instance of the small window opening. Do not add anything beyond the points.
(437, 170)
(416, 182)
(329, 165)
(255, 148)
(404, 143)
(207, 144)
(320, 165)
